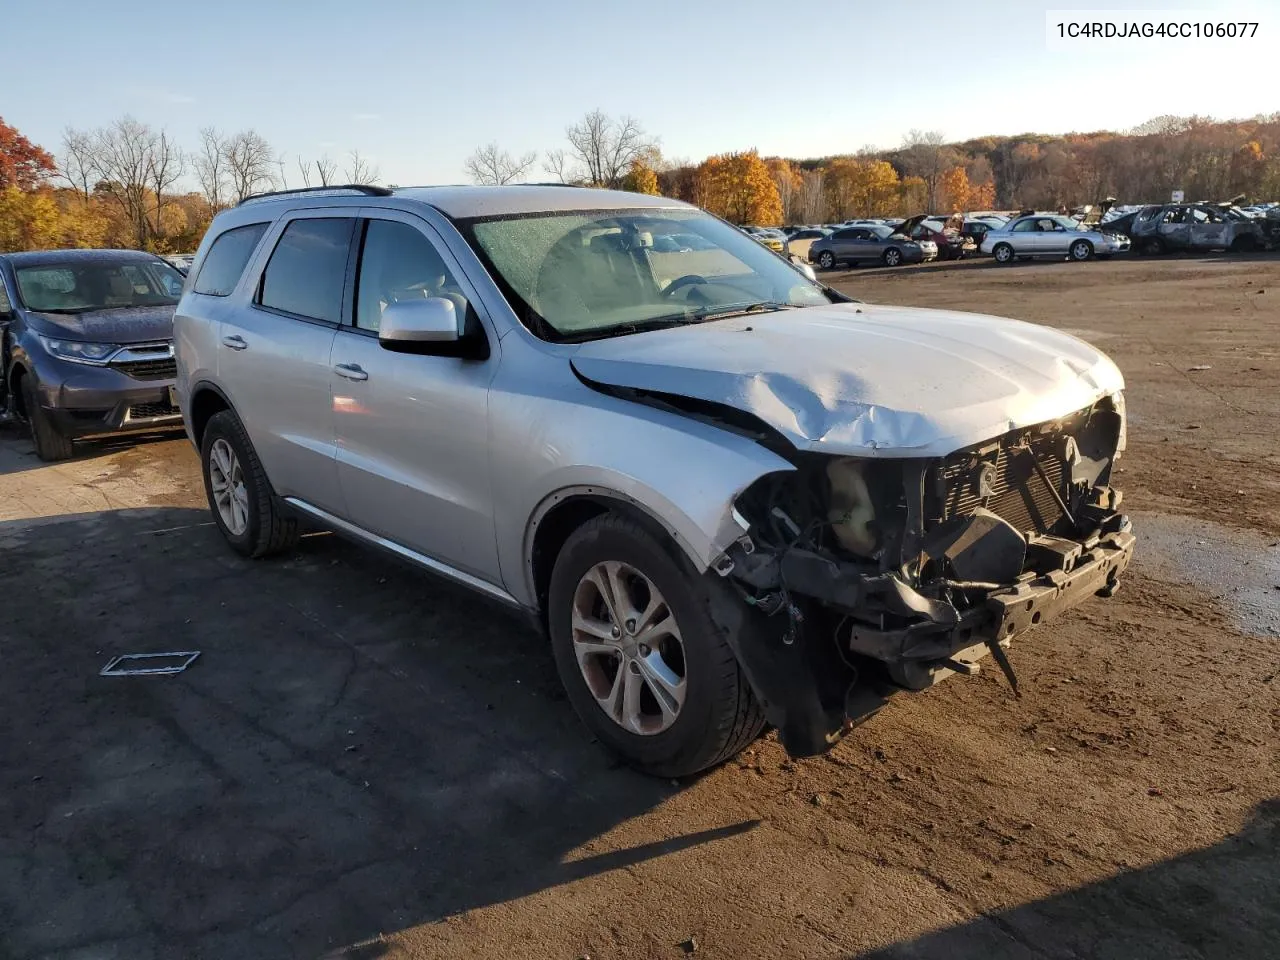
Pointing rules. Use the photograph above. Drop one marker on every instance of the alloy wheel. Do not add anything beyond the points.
(628, 647)
(226, 480)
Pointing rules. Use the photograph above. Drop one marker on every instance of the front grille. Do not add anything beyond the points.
(1013, 488)
(146, 411)
(162, 368)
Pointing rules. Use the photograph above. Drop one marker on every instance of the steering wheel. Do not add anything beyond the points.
(689, 279)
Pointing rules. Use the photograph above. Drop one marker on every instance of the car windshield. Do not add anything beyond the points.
(588, 274)
(80, 286)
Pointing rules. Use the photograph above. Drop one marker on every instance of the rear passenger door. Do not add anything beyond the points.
(273, 358)
(413, 429)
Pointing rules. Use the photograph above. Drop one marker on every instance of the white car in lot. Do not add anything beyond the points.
(725, 493)
(1049, 235)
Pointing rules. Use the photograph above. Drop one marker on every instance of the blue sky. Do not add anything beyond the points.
(417, 84)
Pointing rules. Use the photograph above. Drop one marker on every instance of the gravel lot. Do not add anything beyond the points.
(367, 763)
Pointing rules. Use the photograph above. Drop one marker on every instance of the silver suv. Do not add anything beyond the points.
(727, 493)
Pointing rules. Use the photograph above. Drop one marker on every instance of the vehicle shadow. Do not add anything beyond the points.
(1222, 901)
(358, 748)
(19, 454)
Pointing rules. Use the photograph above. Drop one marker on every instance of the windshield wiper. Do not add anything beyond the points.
(741, 309)
(633, 326)
(68, 310)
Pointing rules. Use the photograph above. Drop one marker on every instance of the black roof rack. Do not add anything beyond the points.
(367, 189)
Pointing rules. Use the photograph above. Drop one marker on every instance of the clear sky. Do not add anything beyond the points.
(418, 84)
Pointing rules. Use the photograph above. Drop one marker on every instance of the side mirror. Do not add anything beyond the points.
(430, 320)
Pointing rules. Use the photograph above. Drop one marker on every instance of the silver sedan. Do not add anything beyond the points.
(1049, 235)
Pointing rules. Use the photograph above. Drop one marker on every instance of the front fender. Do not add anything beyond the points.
(683, 473)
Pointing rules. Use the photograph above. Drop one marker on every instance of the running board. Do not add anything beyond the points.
(418, 559)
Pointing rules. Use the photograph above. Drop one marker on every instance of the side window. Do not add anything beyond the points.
(845, 235)
(308, 268)
(226, 260)
(5, 305)
(1024, 226)
(398, 262)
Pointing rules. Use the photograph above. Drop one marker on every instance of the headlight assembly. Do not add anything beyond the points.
(79, 351)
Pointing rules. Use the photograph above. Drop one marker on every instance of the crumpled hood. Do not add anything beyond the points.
(866, 380)
(115, 325)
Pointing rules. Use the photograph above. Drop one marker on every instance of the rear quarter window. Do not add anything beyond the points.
(227, 257)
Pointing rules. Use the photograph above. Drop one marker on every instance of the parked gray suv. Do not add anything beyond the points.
(86, 344)
(727, 493)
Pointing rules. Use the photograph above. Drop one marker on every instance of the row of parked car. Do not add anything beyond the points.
(1087, 233)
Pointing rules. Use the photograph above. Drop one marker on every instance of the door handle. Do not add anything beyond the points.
(234, 342)
(350, 371)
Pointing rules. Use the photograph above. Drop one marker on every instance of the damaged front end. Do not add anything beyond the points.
(859, 578)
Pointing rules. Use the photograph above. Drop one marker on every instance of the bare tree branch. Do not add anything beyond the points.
(248, 158)
(304, 171)
(79, 163)
(492, 166)
(326, 170)
(123, 158)
(557, 165)
(209, 163)
(359, 170)
(605, 148)
(165, 166)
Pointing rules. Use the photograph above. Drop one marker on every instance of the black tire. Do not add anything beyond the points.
(720, 715)
(1081, 250)
(827, 260)
(892, 257)
(271, 528)
(51, 445)
(1002, 253)
(1152, 247)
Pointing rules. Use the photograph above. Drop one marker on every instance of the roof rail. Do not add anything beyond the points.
(367, 189)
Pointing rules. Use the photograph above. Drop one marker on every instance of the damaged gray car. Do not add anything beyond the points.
(729, 495)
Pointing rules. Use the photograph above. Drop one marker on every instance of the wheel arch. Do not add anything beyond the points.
(206, 400)
(17, 370)
(563, 512)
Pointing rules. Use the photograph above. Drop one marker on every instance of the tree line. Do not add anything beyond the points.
(128, 184)
(1206, 158)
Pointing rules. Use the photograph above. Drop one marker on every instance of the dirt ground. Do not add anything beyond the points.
(367, 763)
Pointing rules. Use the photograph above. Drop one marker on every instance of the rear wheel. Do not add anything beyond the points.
(827, 260)
(643, 663)
(251, 517)
(1002, 253)
(50, 444)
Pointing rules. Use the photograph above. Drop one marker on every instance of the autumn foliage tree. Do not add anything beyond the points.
(22, 164)
(641, 178)
(738, 187)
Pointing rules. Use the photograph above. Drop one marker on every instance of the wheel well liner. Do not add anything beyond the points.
(551, 530)
(15, 392)
(206, 400)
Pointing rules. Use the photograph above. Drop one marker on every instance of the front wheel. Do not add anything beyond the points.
(827, 260)
(244, 507)
(645, 667)
(892, 257)
(1003, 253)
(50, 445)
(1081, 250)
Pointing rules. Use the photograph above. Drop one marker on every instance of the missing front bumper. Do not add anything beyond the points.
(921, 654)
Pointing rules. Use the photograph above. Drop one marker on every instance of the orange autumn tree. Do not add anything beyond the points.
(641, 178)
(738, 187)
(953, 191)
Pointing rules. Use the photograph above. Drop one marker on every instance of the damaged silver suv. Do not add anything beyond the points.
(728, 494)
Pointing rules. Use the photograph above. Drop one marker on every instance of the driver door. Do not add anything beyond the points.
(412, 430)
(1208, 229)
